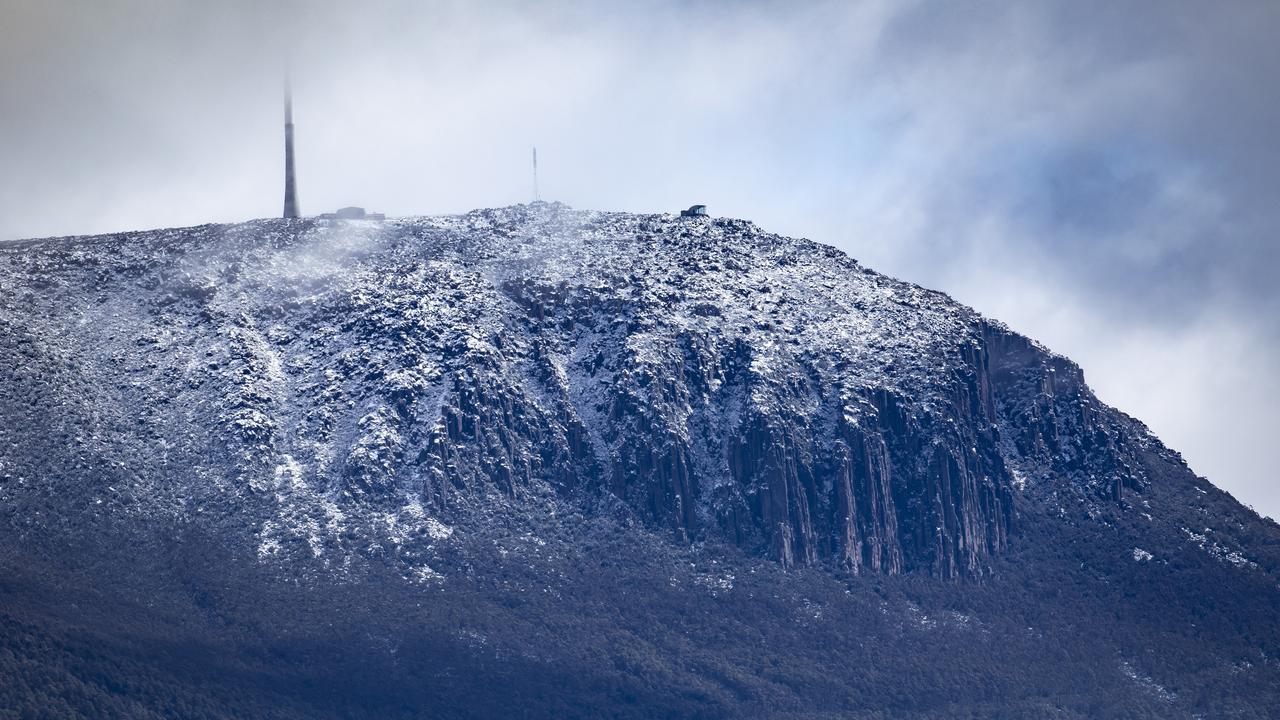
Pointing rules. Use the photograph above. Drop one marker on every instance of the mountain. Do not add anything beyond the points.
(539, 462)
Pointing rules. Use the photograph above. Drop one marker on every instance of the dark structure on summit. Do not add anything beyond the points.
(353, 213)
(290, 185)
(695, 211)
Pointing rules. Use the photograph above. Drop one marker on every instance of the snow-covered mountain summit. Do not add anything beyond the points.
(721, 381)
(667, 463)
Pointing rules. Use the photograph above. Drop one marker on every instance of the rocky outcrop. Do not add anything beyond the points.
(723, 383)
(1051, 422)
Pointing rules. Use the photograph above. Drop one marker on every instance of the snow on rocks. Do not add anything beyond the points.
(354, 385)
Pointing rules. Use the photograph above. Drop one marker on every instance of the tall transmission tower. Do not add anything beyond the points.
(536, 196)
(290, 185)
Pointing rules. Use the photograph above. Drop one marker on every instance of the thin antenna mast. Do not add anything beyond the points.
(290, 187)
(536, 196)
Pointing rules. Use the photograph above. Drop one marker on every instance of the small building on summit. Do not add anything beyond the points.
(352, 213)
(695, 211)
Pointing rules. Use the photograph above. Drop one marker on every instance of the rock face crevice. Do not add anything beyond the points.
(722, 383)
(1051, 421)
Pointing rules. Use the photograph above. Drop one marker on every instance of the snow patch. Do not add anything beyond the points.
(1146, 683)
(1218, 551)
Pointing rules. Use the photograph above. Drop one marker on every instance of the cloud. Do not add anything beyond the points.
(1100, 176)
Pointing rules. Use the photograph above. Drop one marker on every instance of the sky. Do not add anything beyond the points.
(1101, 176)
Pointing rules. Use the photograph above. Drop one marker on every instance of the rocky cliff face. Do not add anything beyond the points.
(339, 385)
(581, 464)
